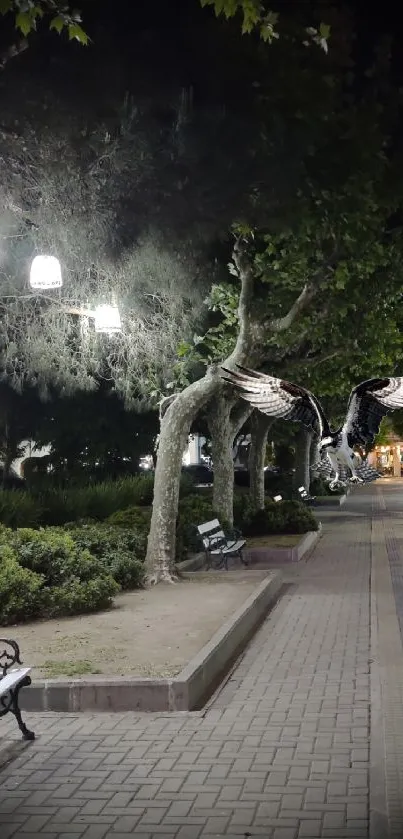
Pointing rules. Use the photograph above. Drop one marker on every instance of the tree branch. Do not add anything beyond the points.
(307, 294)
(244, 343)
(284, 323)
(239, 414)
(12, 52)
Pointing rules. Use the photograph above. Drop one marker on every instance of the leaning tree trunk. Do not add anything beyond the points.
(314, 456)
(302, 458)
(260, 424)
(175, 427)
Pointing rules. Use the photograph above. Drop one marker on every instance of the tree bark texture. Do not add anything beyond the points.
(225, 419)
(175, 427)
(302, 458)
(222, 440)
(260, 425)
(314, 454)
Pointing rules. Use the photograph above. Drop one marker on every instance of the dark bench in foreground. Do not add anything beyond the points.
(219, 546)
(11, 682)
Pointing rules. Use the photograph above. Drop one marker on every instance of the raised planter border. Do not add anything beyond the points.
(187, 691)
(262, 555)
(334, 500)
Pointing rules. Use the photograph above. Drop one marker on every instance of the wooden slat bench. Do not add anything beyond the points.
(218, 546)
(11, 682)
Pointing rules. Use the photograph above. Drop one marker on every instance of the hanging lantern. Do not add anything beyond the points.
(107, 319)
(45, 273)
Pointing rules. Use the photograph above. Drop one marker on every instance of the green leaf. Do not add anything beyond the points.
(5, 6)
(183, 349)
(57, 23)
(324, 31)
(77, 33)
(24, 22)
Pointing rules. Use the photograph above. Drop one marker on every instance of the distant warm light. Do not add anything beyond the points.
(45, 273)
(278, 498)
(107, 319)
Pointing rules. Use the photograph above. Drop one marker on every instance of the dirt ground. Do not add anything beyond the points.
(153, 632)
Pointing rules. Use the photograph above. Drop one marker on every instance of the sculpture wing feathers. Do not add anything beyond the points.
(369, 402)
(278, 398)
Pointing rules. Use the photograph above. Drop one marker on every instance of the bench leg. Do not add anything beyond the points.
(15, 709)
(244, 561)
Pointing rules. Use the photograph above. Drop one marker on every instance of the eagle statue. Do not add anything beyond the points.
(368, 403)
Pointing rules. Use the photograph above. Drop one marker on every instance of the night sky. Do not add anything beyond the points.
(177, 42)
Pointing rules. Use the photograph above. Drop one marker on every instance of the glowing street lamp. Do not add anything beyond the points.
(45, 273)
(107, 319)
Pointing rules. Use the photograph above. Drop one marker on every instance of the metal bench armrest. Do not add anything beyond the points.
(12, 685)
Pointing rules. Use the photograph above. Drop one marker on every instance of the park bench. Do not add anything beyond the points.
(305, 497)
(218, 546)
(11, 682)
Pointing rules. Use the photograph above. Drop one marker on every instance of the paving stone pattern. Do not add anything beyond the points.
(281, 753)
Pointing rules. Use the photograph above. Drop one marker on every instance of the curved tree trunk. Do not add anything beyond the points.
(175, 427)
(260, 424)
(302, 458)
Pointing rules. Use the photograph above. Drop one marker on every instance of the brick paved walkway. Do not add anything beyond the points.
(281, 752)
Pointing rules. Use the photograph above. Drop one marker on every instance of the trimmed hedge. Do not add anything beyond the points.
(121, 550)
(44, 573)
(281, 517)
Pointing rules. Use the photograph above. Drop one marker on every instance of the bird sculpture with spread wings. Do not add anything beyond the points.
(368, 403)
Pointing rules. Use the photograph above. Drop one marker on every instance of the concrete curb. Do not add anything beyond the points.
(186, 692)
(194, 563)
(331, 500)
(262, 555)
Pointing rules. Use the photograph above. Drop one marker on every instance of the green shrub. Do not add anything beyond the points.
(60, 506)
(136, 491)
(46, 573)
(79, 596)
(297, 517)
(21, 590)
(71, 577)
(49, 552)
(281, 517)
(132, 517)
(193, 510)
(320, 487)
(280, 484)
(121, 550)
(19, 509)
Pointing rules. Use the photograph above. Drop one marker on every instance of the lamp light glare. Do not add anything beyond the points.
(278, 498)
(45, 272)
(107, 319)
